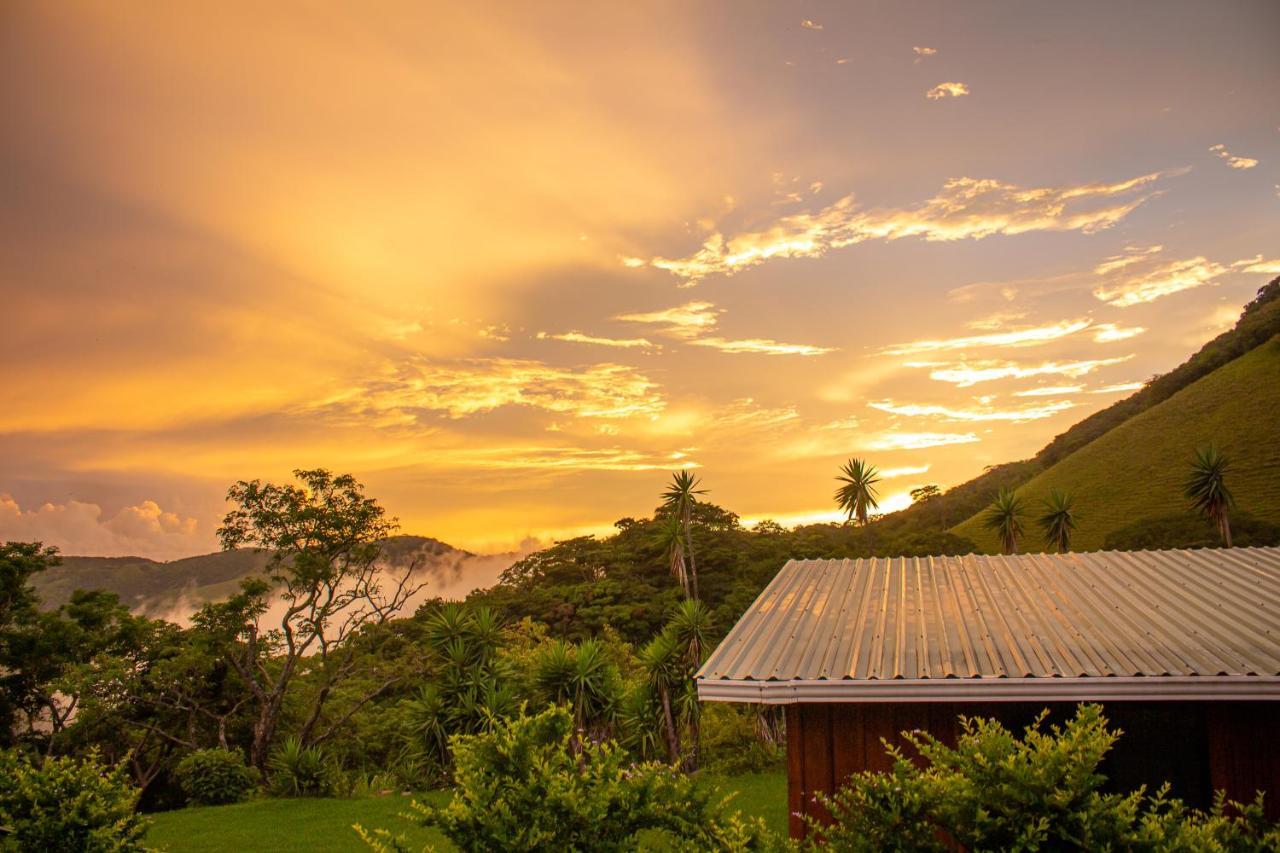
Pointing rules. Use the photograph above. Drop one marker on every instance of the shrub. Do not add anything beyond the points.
(212, 777)
(300, 771)
(67, 804)
(1042, 791)
(530, 784)
(732, 741)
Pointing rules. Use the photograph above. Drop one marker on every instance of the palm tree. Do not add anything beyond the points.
(1004, 516)
(679, 498)
(1058, 521)
(690, 624)
(858, 494)
(671, 537)
(1207, 490)
(664, 670)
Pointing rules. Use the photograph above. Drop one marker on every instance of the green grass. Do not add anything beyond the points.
(1135, 471)
(320, 826)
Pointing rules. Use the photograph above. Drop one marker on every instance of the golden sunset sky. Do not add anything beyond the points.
(511, 264)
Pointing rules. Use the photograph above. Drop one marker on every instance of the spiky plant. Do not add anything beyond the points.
(671, 537)
(1004, 516)
(679, 499)
(1207, 490)
(857, 495)
(1058, 521)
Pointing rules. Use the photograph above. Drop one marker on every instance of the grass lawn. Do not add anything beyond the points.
(319, 826)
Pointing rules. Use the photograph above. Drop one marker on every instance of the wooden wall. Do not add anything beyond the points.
(1199, 747)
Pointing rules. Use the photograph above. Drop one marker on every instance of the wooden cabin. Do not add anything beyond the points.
(1181, 647)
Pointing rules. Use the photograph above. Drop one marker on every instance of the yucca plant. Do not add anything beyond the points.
(857, 496)
(1004, 516)
(300, 771)
(1207, 490)
(679, 499)
(1058, 521)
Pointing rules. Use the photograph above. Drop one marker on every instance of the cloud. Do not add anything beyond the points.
(905, 471)
(80, 528)
(1257, 265)
(964, 374)
(1141, 276)
(964, 209)
(1050, 391)
(1234, 162)
(474, 386)
(688, 322)
(947, 90)
(1031, 336)
(810, 25)
(949, 413)
(580, 338)
(533, 458)
(1107, 332)
(761, 346)
(1120, 388)
(924, 51)
(918, 440)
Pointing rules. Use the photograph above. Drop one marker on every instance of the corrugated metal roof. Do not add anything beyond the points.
(1036, 616)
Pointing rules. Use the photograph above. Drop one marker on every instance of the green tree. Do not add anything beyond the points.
(924, 494)
(1207, 490)
(671, 537)
(679, 499)
(857, 496)
(325, 537)
(1004, 516)
(582, 678)
(690, 625)
(1058, 521)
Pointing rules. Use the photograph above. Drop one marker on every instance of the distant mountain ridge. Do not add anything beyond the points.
(175, 588)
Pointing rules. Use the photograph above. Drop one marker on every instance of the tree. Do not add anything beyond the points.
(19, 615)
(1207, 490)
(679, 498)
(690, 625)
(858, 495)
(924, 494)
(325, 538)
(1058, 521)
(1004, 516)
(671, 536)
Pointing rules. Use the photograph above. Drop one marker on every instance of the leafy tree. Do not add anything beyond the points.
(690, 625)
(324, 537)
(1058, 521)
(924, 494)
(1004, 516)
(214, 777)
(679, 499)
(1207, 490)
(526, 785)
(857, 496)
(19, 623)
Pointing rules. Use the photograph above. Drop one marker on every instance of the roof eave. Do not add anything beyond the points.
(1099, 689)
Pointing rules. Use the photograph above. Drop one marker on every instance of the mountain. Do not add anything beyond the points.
(1130, 477)
(175, 589)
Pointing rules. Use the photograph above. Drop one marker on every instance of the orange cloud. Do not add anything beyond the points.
(951, 413)
(1133, 280)
(965, 375)
(947, 90)
(580, 338)
(1014, 338)
(918, 440)
(1233, 161)
(80, 528)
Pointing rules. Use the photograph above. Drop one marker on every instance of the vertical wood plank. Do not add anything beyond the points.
(818, 767)
(795, 772)
(1244, 752)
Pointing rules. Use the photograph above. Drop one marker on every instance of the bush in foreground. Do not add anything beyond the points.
(67, 805)
(1042, 791)
(300, 771)
(531, 784)
(214, 777)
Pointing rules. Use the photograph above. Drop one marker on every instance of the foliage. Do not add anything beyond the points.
(857, 496)
(67, 804)
(300, 771)
(529, 784)
(583, 679)
(1206, 488)
(996, 791)
(1188, 531)
(213, 777)
(679, 500)
(1058, 521)
(740, 739)
(1004, 517)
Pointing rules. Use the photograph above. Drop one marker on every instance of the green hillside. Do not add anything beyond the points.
(1133, 473)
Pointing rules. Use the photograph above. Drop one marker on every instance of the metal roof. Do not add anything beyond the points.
(1106, 624)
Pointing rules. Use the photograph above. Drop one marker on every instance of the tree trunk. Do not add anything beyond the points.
(673, 738)
(1224, 527)
(688, 546)
(264, 730)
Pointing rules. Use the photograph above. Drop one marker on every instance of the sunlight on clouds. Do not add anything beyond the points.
(1107, 332)
(964, 374)
(1258, 265)
(810, 25)
(949, 413)
(924, 51)
(918, 440)
(1050, 391)
(142, 528)
(1120, 388)
(905, 471)
(684, 321)
(1148, 279)
(1233, 161)
(947, 90)
(965, 209)
(761, 346)
(580, 338)
(1015, 338)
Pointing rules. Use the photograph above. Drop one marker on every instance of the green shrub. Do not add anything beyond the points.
(67, 804)
(1042, 791)
(530, 784)
(732, 742)
(213, 777)
(300, 771)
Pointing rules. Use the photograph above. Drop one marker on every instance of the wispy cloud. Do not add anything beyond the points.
(810, 25)
(1030, 336)
(1107, 332)
(1050, 391)
(986, 413)
(1231, 160)
(964, 209)
(947, 90)
(918, 440)
(690, 322)
(966, 374)
(1120, 388)
(905, 471)
(474, 386)
(761, 346)
(1258, 265)
(924, 51)
(1141, 276)
(580, 338)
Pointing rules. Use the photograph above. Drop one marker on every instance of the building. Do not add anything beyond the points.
(1181, 647)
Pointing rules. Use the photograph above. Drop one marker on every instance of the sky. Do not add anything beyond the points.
(513, 264)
